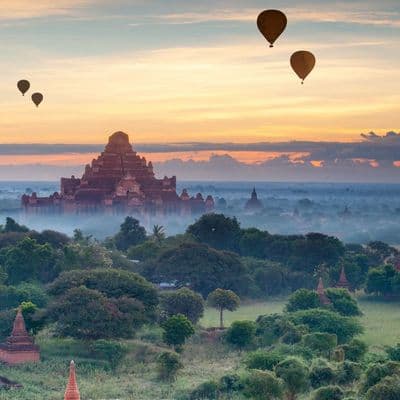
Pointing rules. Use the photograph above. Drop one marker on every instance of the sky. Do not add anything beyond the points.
(185, 71)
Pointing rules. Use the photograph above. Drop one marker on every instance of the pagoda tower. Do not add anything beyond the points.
(323, 298)
(72, 390)
(19, 348)
(343, 283)
(253, 204)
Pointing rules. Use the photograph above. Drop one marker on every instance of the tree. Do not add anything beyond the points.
(198, 266)
(168, 365)
(113, 283)
(295, 374)
(387, 389)
(88, 314)
(376, 372)
(303, 299)
(355, 350)
(380, 281)
(342, 302)
(131, 233)
(329, 393)
(217, 231)
(263, 385)
(12, 226)
(320, 320)
(177, 329)
(241, 333)
(319, 342)
(223, 300)
(253, 243)
(183, 301)
(321, 373)
(394, 352)
(262, 360)
(158, 234)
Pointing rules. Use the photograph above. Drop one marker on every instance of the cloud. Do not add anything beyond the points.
(26, 9)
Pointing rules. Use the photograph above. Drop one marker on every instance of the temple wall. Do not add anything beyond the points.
(19, 357)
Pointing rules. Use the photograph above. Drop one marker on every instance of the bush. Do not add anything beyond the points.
(378, 371)
(349, 372)
(263, 385)
(168, 366)
(177, 329)
(342, 302)
(329, 393)
(394, 352)
(114, 352)
(295, 374)
(229, 384)
(319, 342)
(387, 389)
(183, 301)
(355, 350)
(262, 360)
(241, 333)
(325, 321)
(321, 374)
(303, 299)
(205, 391)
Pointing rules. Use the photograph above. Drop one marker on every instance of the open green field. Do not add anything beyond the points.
(136, 378)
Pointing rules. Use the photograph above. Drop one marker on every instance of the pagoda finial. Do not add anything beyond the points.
(19, 328)
(343, 281)
(323, 298)
(72, 391)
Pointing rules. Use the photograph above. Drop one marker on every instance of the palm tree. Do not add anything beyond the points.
(158, 233)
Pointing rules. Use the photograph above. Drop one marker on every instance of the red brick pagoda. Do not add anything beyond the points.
(323, 298)
(343, 283)
(19, 347)
(72, 390)
(118, 181)
(253, 204)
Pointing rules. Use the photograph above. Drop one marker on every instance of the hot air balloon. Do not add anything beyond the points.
(302, 62)
(271, 24)
(37, 98)
(23, 86)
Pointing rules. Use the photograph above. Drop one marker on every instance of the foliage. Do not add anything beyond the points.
(177, 329)
(223, 300)
(355, 350)
(378, 371)
(387, 389)
(13, 296)
(131, 233)
(114, 352)
(342, 302)
(325, 321)
(349, 372)
(168, 366)
(205, 391)
(394, 352)
(262, 360)
(199, 266)
(321, 373)
(241, 333)
(12, 226)
(88, 314)
(329, 393)
(295, 375)
(217, 231)
(384, 280)
(183, 301)
(303, 299)
(322, 343)
(145, 251)
(263, 385)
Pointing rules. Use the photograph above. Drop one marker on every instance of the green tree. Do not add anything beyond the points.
(303, 299)
(177, 329)
(394, 352)
(263, 385)
(183, 301)
(253, 243)
(131, 233)
(342, 302)
(217, 231)
(322, 343)
(329, 393)
(241, 333)
(12, 226)
(168, 366)
(295, 374)
(387, 389)
(158, 234)
(380, 280)
(223, 300)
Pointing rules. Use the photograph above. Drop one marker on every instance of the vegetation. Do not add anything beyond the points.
(223, 300)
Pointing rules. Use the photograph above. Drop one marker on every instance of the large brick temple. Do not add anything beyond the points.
(118, 181)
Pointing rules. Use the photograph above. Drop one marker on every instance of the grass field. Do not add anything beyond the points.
(136, 378)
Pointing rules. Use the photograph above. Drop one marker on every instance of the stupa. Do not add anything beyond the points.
(118, 181)
(253, 204)
(72, 390)
(343, 283)
(323, 298)
(19, 348)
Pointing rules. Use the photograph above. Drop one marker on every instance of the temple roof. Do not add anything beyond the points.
(72, 390)
(19, 328)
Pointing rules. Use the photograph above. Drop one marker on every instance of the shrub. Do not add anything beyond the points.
(177, 329)
(321, 373)
(303, 299)
(295, 374)
(229, 384)
(183, 301)
(168, 366)
(349, 372)
(329, 393)
(394, 352)
(387, 389)
(114, 352)
(378, 371)
(205, 391)
(241, 333)
(319, 342)
(355, 350)
(262, 360)
(342, 302)
(263, 385)
(326, 321)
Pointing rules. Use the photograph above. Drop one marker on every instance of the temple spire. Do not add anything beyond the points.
(19, 328)
(323, 298)
(72, 391)
(343, 282)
